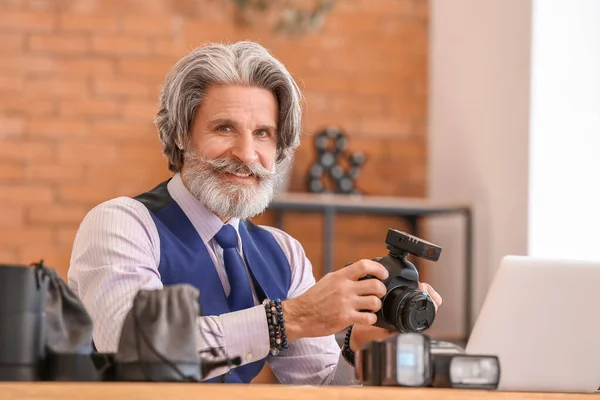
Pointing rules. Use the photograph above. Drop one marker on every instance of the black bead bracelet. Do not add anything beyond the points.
(276, 323)
(347, 352)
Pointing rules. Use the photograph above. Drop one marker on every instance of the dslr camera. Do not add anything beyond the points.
(405, 308)
(414, 360)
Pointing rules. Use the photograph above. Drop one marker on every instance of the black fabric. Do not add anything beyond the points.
(156, 198)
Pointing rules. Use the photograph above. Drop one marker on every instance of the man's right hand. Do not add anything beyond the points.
(338, 300)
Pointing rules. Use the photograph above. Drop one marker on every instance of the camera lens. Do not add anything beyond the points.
(409, 310)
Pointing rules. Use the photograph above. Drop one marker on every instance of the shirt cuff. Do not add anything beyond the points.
(345, 373)
(246, 334)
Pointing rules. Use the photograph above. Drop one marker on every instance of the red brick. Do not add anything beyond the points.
(53, 172)
(111, 173)
(109, 87)
(325, 82)
(145, 67)
(201, 32)
(87, 23)
(317, 121)
(145, 25)
(385, 127)
(11, 216)
(89, 107)
(381, 7)
(25, 195)
(421, 9)
(58, 128)
(408, 108)
(86, 67)
(133, 187)
(405, 148)
(372, 106)
(352, 24)
(379, 84)
(143, 154)
(66, 236)
(86, 152)
(119, 45)
(11, 42)
(62, 88)
(128, 131)
(93, 192)
(62, 44)
(56, 215)
(29, 63)
(169, 48)
(310, 63)
(318, 102)
(43, 5)
(55, 256)
(26, 106)
(140, 110)
(8, 255)
(217, 11)
(26, 150)
(27, 21)
(120, 7)
(11, 171)
(11, 126)
(12, 82)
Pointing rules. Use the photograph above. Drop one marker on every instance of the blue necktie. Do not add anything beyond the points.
(240, 296)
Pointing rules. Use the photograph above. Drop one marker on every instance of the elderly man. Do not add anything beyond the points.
(227, 115)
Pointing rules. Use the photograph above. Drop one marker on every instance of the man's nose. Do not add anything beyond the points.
(243, 149)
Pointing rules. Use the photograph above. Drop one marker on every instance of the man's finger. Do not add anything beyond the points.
(370, 303)
(435, 296)
(362, 268)
(370, 286)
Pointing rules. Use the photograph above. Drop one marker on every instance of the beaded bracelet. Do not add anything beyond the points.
(347, 352)
(277, 336)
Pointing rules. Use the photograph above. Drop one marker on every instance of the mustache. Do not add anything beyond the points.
(232, 166)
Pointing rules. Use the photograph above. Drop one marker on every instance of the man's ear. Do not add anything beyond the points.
(179, 142)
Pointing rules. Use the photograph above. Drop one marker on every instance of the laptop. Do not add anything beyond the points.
(541, 317)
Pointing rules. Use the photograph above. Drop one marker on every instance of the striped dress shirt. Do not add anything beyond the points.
(117, 252)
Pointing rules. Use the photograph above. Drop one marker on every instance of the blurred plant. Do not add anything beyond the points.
(292, 17)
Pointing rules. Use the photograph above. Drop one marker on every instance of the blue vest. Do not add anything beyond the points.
(185, 259)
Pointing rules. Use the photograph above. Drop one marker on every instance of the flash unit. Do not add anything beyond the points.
(414, 360)
(469, 370)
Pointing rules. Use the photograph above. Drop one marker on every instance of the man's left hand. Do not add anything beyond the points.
(362, 334)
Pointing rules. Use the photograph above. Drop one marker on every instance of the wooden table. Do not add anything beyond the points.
(412, 210)
(185, 391)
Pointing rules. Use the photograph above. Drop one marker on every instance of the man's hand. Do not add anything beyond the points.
(362, 334)
(336, 301)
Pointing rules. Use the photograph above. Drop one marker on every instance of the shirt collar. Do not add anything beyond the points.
(206, 223)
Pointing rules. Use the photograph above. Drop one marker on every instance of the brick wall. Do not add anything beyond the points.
(79, 83)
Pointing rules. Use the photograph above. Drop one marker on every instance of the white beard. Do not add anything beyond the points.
(225, 199)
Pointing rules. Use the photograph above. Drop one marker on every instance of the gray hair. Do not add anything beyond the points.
(241, 63)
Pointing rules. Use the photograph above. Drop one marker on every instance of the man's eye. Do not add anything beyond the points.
(263, 133)
(224, 128)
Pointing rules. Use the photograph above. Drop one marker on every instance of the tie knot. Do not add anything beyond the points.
(227, 237)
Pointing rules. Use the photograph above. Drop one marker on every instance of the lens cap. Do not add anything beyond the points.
(418, 312)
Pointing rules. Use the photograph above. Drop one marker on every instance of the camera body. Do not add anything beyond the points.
(405, 308)
(414, 360)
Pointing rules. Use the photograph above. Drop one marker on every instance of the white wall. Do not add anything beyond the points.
(478, 139)
(565, 130)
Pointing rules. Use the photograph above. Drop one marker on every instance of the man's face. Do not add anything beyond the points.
(229, 161)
